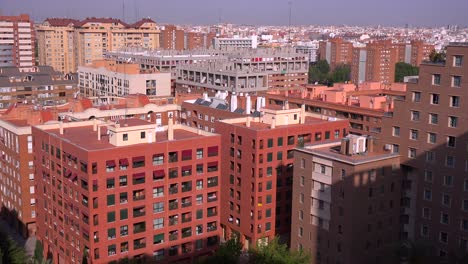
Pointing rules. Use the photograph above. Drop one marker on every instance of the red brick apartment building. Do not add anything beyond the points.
(336, 51)
(120, 190)
(346, 202)
(257, 173)
(429, 130)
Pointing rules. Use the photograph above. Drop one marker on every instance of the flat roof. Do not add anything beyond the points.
(84, 137)
(330, 150)
(265, 126)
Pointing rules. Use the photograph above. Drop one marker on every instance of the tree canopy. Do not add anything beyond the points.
(320, 72)
(276, 253)
(228, 253)
(437, 57)
(403, 69)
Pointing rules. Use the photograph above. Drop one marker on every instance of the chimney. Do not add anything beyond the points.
(170, 129)
(273, 122)
(344, 146)
(94, 124)
(61, 127)
(99, 133)
(370, 144)
(247, 123)
(302, 117)
(233, 102)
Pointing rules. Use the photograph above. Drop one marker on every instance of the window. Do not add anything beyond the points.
(396, 131)
(411, 153)
(199, 153)
(451, 141)
(123, 214)
(301, 182)
(270, 143)
(444, 218)
(415, 115)
(158, 159)
(433, 118)
(452, 121)
(125, 137)
(110, 217)
(454, 101)
(427, 195)
(436, 79)
(301, 198)
(124, 230)
(416, 97)
(443, 237)
(110, 199)
(414, 134)
(450, 161)
(158, 207)
(300, 231)
(448, 180)
(158, 223)
(110, 183)
(446, 200)
(424, 231)
(279, 155)
(431, 138)
(430, 156)
(456, 81)
(428, 176)
(465, 205)
(457, 60)
(395, 148)
(142, 135)
(158, 192)
(269, 157)
(426, 213)
(435, 99)
(280, 142)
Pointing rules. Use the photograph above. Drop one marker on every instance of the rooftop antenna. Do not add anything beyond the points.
(289, 29)
(220, 12)
(123, 10)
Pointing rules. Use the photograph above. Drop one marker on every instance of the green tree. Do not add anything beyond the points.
(319, 72)
(276, 253)
(403, 69)
(437, 57)
(38, 256)
(228, 253)
(342, 73)
(16, 254)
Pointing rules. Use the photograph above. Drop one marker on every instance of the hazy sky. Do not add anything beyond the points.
(259, 12)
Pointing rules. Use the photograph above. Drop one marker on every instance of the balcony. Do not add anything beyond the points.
(212, 197)
(211, 227)
(138, 196)
(139, 212)
(186, 187)
(173, 205)
(186, 232)
(186, 203)
(212, 212)
(139, 228)
(212, 182)
(173, 189)
(174, 220)
(139, 245)
(173, 236)
(186, 218)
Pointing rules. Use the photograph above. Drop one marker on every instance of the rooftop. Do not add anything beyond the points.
(84, 135)
(331, 150)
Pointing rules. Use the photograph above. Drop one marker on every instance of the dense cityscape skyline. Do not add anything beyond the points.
(397, 13)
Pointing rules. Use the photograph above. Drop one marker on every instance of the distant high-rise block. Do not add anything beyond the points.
(336, 51)
(66, 44)
(17, 42)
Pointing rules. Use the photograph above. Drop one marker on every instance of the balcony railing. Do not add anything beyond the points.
(173, 206)
(173, 221)
(186, 219)
(173, 237)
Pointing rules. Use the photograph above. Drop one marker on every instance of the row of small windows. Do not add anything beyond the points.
(454, 101)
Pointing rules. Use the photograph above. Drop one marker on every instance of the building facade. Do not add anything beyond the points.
(66, 44)
(258, 172)
(107, 79)
(116, 190)
(42, 86)
(336, 51)
(346, 202)
(17, 42)
(429, 132)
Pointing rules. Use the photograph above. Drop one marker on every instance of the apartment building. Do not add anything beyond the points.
(41, 86)
(66, 44)
(376, 61)
(257, 154)
(117, 190)
(346, 201)
(172, 38)
(17, 42)
(18, 191)
(336, 51)
(429, 132)
(364, 106)
(235, 43)
(108, 80)
(56, 44)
